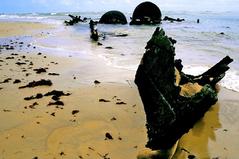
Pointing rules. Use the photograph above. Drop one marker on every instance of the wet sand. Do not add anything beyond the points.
(98, 120)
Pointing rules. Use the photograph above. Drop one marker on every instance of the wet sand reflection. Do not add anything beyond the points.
(195, 142)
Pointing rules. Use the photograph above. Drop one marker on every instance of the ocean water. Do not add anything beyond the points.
(200, 46)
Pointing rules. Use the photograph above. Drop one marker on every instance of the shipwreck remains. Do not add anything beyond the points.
(146, 13)
(167, 18)
(173, 101)
(93, 29)
(74, 20)
(113, 17)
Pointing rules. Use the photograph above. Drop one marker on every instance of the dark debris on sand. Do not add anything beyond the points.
(40, 70)
(57, 93)
(104, 100)
(42, 82)
(120, 103)
(32, 106)
(75, 112)
(38, 96)
(53, 74)
(56, 103)
(21, 63)
(108, 47)
(96, 82)
(17, 81)
(108, 136)
(6, 80)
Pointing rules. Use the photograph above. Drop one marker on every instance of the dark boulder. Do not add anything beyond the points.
(113, 17)
(146, 13)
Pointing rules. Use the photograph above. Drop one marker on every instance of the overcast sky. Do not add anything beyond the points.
(20, 6)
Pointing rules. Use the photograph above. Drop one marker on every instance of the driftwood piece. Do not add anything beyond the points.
(170, 115)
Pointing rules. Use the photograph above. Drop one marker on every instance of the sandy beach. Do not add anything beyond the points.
(100, 115)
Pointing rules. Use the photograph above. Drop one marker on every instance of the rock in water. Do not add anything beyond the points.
(169, 115)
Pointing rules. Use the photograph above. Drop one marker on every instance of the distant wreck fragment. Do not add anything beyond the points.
(93, 29)
(74, 20)
(173, 101)
(146, 13)
(113, 17)
(167, 18)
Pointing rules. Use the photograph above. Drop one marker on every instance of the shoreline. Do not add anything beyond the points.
(43, 131)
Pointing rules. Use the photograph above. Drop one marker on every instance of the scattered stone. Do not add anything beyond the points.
(42, 82)
(40, 70)
(109, 47)
(6, 80)
(75, 112)
(108, 136)
(32, 106)
(113, 119)
(20, 63)
(96, 82)
(53, 114)
(119, 138)
(120, 103)
(57, 93)
(90, 148)
(35, 157)
(38, 96)
(62, 153)
(222, 33)
(99, 44)
(39, 53)
(17, 81)
(55, 98)
(8, 58)
(56, 103)
(53, 74)
(104, 100)
(1, 88)
(121, 35)
(6, 110)
(191, 157)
